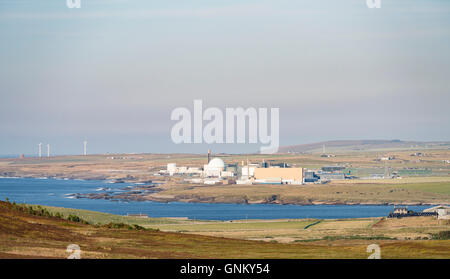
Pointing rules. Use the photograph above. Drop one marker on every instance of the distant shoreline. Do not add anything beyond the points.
(146, 198)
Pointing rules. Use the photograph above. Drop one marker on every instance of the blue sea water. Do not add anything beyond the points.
(54, 192)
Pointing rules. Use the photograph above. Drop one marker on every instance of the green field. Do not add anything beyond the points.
(431, 190)
(95, 217)
(439, 188)
(241, 225)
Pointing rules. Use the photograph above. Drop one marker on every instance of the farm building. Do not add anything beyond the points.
(443, 211)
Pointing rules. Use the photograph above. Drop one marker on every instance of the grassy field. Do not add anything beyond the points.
(410, 191)
(288, 231)
(440, 188)
(95, 217)
(29, 236)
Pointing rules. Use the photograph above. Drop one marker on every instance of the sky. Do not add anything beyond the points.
(112, 71)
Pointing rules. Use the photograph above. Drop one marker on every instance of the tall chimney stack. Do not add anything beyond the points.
(209, 155)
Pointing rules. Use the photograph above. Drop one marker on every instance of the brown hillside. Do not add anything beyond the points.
(23, 235)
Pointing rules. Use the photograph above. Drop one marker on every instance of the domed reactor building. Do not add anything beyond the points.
(214, 168)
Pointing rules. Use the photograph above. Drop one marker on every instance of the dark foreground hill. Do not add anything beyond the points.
(28, 233)
(361, 145)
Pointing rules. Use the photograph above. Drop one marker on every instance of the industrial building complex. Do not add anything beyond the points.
(216, 171)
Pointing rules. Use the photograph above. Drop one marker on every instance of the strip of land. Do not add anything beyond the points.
(411, 192)
(431, 189)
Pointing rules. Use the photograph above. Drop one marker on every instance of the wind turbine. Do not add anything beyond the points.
(85, 147)
(40, 149)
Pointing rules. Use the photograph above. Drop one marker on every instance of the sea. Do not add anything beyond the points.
(59, 192)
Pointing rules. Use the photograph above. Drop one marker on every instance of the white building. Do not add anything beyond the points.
(172, 168)
(212, 181)
(214, 168)
(227, 174)
(249, 170)
(443, 211)
(244, 182)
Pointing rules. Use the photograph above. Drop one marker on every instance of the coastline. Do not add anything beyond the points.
(155, 197)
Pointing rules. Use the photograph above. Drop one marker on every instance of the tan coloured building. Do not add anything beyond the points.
(287, 175)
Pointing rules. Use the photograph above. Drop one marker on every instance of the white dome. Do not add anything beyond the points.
(216, 163)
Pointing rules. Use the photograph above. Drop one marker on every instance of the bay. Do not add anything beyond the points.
(54, 192)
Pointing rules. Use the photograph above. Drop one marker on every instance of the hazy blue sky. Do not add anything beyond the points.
(113, 71)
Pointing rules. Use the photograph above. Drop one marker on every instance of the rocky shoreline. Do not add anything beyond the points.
(134, 194)
(145, 194)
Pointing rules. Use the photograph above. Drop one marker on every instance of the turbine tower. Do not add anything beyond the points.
(40, 149)
(85, 147)
(48, 150)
